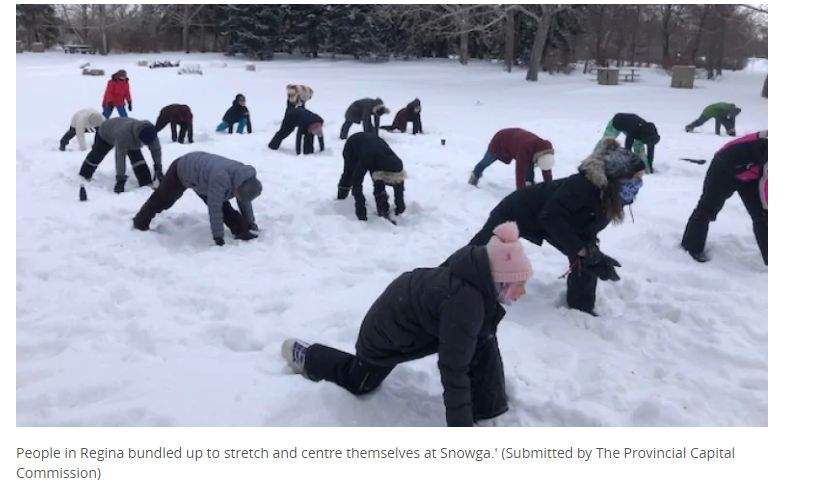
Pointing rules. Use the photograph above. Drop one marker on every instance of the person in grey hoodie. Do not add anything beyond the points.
(361, 111)
(216, 180)
(127, 135)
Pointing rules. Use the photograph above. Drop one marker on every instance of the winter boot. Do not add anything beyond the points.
(342, 192)
(140, 224)
(120, 184)
(688, 128)
(143, 175)
(699, 256)
(473, 179)
(87, 170)
(294, 352)
(61, 147)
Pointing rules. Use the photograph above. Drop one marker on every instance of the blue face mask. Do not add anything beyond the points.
(629, 189)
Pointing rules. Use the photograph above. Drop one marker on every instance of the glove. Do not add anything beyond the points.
(400, 207)
(342, 192)
(159, 174)
(219, 241)
(253, 227)
(362, 213)
(246, 236)
(382, 207)
(129, 106)
(601, 265)
(119, 187)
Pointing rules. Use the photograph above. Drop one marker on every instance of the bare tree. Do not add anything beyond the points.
(184, 15)
(542, 15)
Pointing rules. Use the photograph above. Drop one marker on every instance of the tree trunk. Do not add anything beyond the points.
(634, 31)
(536, 55)
(103, 29)
(185, 36)
(599, 54)
(509, 41)
(667, 10)
(463, 39)
(697, 38)
(721, 40)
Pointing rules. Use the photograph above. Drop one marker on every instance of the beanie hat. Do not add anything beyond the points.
(621, 163)
(147, 134)
(316, 129)
(249, 189)
(240, 97)
(508, 262)
(544, 159)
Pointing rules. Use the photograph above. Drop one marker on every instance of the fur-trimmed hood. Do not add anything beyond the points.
(390, 178)
(593, 167)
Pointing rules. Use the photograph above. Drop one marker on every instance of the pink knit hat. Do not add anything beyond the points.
(508, 261)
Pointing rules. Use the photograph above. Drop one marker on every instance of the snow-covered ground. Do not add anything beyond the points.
(120, 327)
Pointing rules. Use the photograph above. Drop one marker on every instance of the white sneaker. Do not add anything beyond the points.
(294, 352)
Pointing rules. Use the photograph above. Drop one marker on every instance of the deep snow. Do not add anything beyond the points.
(119, 327)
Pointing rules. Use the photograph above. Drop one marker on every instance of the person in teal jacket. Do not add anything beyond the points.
(723, 113)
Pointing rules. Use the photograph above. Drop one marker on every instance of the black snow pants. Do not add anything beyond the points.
(581, 286)
(169, 191)
(720, 183)
(98, 152)
(185, 131)
(359, 376)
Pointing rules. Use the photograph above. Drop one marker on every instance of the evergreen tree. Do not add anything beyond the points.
(254, 30)
(37, 23)
(308, 29)
(353, 30)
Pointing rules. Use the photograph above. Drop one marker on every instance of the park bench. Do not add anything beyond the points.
(78, 49)
(630, 74)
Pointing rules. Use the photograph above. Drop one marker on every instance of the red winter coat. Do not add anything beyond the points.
(117, 93)
(521, 145)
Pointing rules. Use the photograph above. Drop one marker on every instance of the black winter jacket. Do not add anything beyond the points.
(565, 212)
(363, 109)
(445, 310)
(297, 118)
(366, 152)
(235, 113)
(636, 128)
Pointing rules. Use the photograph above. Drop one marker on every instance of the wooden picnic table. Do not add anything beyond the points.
(630, 74)
(78, 48)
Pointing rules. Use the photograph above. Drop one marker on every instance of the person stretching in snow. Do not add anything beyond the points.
(639, 135)
(362, 111)
(117, 93)
(215, 180)
(740, 166)
(453, 311)
(411, 113)
(724, 114)
(237, 113)
(127, 135)
(526, 148)
(308, 126)
(570, 212)
(297, 95)
(176, 116)
(83, 121)
(366, 153)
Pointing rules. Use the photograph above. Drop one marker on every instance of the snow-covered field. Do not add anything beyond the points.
(120, 327)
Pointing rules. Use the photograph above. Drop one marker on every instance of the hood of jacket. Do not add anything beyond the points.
(238, 173)
(415, 106)
(472, 265)
(593, 167)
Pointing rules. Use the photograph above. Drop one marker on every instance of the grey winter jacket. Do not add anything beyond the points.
(215, 178)
(361, 111)
(123, 134)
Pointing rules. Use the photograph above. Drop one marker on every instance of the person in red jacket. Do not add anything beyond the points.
(117, 94)
(526, 148)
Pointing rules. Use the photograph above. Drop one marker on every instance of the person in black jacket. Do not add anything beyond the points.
(362, 111)
(308, 125)
(737, 167)
(237, 113)
(367, 153)
(177, 116)
(411, 113)
(639, 134)
(452, 310)
(570, 212)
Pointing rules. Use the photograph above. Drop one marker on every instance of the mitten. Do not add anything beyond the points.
(219, 241)
(601, 265)
(129, 106)
(362, 213)
(253, 227)
(342, 192)
(120, 185)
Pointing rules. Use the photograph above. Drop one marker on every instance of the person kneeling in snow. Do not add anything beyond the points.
(724, 114)
(216, 180)
(570, 212)
(237, 113)
(127, 135)
(83, 121)
(411, 113)
(363, 153)
(453, 311)
(740, 166)
(308, 126)
(639, 136)
(176, 116)
(526, 148)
